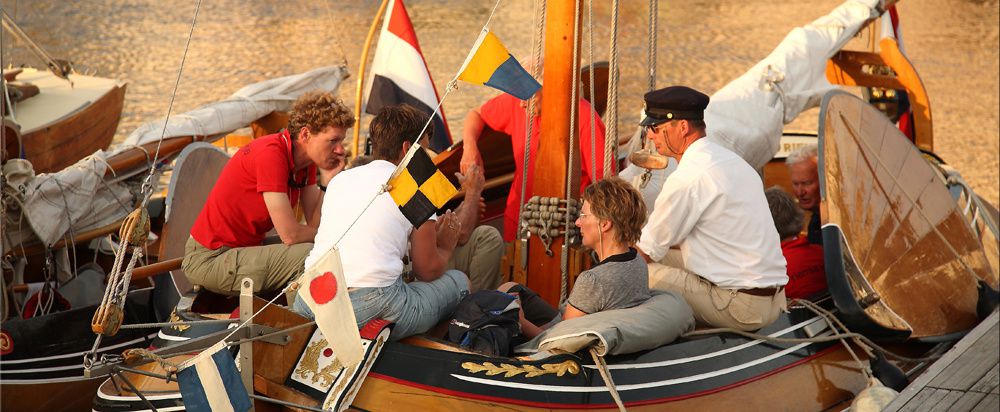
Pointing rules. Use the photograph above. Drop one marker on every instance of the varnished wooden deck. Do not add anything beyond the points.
(964, 379)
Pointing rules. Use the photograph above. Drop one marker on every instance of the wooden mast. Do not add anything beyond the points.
(361, 78)
(544, 273)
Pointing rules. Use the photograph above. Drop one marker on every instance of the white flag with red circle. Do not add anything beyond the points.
(324, 290)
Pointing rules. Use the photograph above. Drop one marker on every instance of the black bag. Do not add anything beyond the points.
(485, 322)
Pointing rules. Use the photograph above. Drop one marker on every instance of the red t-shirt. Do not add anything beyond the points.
(235, 214)
(504, 113)
(806, 273)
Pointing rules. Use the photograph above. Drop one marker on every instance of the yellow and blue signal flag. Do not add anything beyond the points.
(489, 63)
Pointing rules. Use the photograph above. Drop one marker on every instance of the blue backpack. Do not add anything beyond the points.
(485, 322)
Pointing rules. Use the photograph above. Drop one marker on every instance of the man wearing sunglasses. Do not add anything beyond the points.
(729, 265)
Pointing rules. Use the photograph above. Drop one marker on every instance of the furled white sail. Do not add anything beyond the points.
(246, 105)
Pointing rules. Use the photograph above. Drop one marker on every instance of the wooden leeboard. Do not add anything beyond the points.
(904, 233)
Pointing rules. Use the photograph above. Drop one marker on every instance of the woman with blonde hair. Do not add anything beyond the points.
(610, 223)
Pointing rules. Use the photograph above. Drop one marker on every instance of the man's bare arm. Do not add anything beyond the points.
(468, 212)
(471, 129)
(283, 216)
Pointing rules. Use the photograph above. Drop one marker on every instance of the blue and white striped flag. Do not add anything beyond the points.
(210, 382)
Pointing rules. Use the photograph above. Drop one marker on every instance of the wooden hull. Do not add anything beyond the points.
(824, 380)
(425, 374)
(42, 364)
(63, 122)
(50, 397)
(61, 144)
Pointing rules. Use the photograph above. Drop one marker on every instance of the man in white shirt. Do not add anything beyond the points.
(729, 267)
(373, 235)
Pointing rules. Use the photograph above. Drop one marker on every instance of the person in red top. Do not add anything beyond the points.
(506, 113)
(258, 190)
(804, 260)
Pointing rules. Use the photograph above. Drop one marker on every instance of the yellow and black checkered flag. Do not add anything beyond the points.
(418, 187)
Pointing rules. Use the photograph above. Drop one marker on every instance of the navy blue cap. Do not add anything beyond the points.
(673, 103)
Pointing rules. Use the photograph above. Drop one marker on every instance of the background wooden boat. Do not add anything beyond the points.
(63, 122)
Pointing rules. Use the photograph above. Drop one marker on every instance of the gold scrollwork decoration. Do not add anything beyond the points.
(529, 371)
(177, 319)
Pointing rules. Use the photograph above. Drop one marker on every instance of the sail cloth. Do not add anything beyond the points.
(490, 64)
(55, 205)
(324, 291)
(399, 74)
(210, 382)
(747, 115)
(418, 187)
(246, 105)
(661, 319)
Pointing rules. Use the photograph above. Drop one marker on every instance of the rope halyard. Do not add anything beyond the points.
(602, 367)
(536, 58)
(574, 104)
(133, 234)
(611, 139)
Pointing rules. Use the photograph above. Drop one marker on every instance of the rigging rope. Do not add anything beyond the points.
(133, 233)
(147, 185)
(602, 367)
(536, 59)
(593, 93)
(653, 11)
(841, 332)
(611, 140)
(571, 176)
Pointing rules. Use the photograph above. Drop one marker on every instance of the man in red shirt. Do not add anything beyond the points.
(804, 260)
(258, 190)
(506, 113)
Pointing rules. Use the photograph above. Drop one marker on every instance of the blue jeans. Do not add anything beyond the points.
(414, 307)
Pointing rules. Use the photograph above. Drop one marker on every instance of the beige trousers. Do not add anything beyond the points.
(270, 266)
(479, 258)
(712, 305)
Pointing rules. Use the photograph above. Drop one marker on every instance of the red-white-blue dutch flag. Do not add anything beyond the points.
(399, 74)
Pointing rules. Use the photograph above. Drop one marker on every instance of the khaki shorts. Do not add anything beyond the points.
(271, 266)
(715, 306)
(479, 258)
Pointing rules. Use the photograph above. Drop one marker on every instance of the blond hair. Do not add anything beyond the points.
(615, 200)
(318, 110)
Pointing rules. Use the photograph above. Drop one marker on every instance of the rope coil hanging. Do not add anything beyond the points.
(545, 217)
(110, 313)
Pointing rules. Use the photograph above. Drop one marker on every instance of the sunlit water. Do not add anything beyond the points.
(953, 43)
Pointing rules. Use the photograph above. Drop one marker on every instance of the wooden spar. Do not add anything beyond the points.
(361, 78)
(552, 157)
